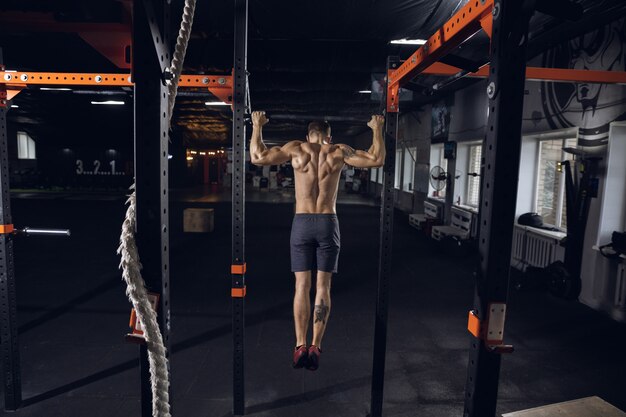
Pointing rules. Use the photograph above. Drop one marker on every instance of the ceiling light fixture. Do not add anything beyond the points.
(216, 103)
(15, 106)
(109, 102)
(408, 42)
(55, 89)
(365, 92)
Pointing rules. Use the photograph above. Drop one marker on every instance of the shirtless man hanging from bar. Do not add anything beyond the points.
(317, 166)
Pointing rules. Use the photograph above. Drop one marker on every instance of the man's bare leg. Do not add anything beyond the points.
(322, 306)
(302, 306)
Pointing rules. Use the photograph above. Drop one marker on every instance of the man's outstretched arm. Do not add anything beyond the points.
(375, 155)
(259, 153)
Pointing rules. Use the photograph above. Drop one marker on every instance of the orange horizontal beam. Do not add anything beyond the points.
(65, 79)
(454, 32)
(574, 75)
(541, 74)
(221, 81)
(109, 80)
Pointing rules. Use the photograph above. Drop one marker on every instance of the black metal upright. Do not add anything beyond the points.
(238, 202)
(151, 170)
(8, 326)
(501, 150)
(384, 267)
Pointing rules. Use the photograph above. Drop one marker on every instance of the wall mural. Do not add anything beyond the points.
(591, 107)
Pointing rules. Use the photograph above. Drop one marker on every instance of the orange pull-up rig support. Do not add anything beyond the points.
(475, 16)
(221, 86)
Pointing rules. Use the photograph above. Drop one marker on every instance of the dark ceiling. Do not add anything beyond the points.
(306, 60)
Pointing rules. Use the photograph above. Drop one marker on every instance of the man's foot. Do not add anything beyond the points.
(314, 358)
(300, 357)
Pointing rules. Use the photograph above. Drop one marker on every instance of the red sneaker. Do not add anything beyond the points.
(300, 357)
(314, 358)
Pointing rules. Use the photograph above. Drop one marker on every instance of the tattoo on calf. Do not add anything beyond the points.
(321, 312)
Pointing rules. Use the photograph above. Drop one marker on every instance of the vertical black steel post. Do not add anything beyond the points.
(8, 326)
(501, 150)
(384, 266)
(151, 170)
(238, 199)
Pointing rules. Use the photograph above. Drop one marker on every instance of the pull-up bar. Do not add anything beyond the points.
(220, 86)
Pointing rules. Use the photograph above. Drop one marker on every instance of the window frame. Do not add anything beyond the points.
(562, 136)
(470, 145)
(30, 150)
(412, 152)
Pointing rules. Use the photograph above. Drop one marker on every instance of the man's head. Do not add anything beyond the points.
(319, 132)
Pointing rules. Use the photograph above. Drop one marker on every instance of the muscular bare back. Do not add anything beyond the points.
(317, 169)
(317, 165)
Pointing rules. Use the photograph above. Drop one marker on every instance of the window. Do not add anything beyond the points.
(373, 174)
(396, 181)
(409, 167)
(550, 197)
(376, 175)
(25, 146)
(473, 182)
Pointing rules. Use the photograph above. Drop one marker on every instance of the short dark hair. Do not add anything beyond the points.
(319, 126)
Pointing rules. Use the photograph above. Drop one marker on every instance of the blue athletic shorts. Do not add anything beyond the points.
(315, 237)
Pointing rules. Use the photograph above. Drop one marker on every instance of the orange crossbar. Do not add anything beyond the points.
(5, 229)
(474, 16)
(455, 31)
(238, 292)
(220, 86)
(109, 80)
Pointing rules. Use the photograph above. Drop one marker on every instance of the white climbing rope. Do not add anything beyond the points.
(130, 262)
(176, 67)
(137, 294)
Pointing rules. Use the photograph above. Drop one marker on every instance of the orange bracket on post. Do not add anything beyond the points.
(238, 269)
(6, 229)
(393, 99)
(474, 325)
(137, 335)
(490, 331)
(238, 292)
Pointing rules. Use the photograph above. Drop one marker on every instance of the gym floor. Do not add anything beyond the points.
(73, 315)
